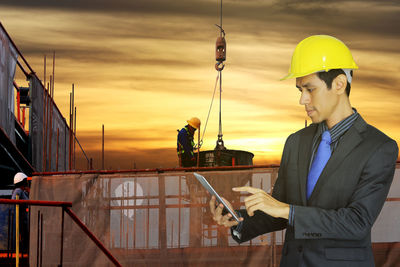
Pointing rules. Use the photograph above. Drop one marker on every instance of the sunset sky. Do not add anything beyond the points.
(143, 67)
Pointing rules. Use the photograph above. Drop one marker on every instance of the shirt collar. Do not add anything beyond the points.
(340, 128)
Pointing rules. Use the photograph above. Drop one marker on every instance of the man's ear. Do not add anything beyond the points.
(339, 84)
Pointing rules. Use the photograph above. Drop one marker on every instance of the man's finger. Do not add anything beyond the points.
(227, 203)
(260, 195)
(249, 189)
(230, 223)
(227, 221)
(212, 205)
(218, 212)
(253, 208)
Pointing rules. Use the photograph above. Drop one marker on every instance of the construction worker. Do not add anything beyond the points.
(185, 143)
(21, 189)
(334, 175)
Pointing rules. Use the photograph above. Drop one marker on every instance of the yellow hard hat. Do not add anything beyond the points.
(194, 122)
(319, 53)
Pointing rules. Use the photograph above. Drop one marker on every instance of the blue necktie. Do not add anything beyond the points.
(320, 160)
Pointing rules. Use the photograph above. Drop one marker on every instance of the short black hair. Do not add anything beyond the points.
(329, 76)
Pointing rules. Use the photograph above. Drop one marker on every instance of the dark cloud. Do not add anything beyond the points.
(290, 17)
(363, 25)
(197, 7)
(89, 53)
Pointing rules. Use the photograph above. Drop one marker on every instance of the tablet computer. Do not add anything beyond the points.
(210, 189)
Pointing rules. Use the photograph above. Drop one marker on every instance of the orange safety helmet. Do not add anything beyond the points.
(194, 122)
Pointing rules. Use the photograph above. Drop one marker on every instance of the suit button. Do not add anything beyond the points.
(300, 249)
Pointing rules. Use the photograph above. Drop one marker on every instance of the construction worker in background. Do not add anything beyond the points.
(21, 189)
(185, 143)
(334, 175)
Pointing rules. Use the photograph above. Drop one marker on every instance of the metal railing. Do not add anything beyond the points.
(65, 208)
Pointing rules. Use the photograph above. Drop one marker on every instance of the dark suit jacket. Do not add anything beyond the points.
(333, 227)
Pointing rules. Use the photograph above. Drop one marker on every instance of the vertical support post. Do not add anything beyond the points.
(198, 148)
(41, 239)
(9, 235)
(58, 136)
(23, 118)
(179, 211)
(102, 148)
(65, 147)
(45, 130)
(18, 106)
(44, 71)
(48, 126)
(74, 138)
(62, 237)
(38, 239)
(51, 131)
(43, 122)
(71, 111)
(72, 125)
(17, 233)
(69, 131)
(134, 212)
(54, 66)
(162, 219)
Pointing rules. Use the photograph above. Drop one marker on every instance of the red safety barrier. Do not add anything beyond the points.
(66, 208)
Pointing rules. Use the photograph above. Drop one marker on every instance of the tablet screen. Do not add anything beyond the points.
(211, 190)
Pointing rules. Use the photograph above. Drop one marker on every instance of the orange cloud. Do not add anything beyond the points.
(143, 69)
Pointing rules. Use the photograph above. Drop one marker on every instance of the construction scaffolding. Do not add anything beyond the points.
(34, 135)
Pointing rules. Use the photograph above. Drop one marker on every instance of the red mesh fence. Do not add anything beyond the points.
(162, 219)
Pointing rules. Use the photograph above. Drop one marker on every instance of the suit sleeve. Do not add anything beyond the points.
(354, 221)
(261, 223)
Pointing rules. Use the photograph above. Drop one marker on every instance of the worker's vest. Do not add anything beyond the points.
(180, 146)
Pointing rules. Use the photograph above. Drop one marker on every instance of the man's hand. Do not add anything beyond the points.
(260, 200)
(220, 219)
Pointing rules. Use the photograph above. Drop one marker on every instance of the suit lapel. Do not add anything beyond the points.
(349, 141)
(304, 156)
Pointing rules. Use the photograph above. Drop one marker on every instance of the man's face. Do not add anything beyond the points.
(320, 102)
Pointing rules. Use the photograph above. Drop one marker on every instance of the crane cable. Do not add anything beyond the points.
(209, 110)
(222, 33)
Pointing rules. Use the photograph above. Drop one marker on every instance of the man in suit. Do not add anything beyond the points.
(334, 175)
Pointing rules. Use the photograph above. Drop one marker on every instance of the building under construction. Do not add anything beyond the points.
(152, 217)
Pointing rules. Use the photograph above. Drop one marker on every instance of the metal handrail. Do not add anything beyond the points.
(66, 208)
(161, 170)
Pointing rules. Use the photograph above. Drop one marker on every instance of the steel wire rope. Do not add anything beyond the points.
(222, 33)
(209, 110)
